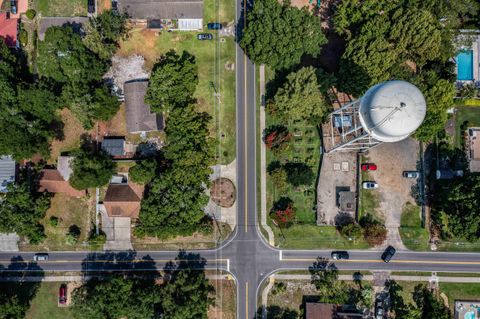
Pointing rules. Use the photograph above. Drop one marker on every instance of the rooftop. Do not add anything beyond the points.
(138, 115)
(52, 181)
(75, 22)
(162, 9)
(123, 200)
(8, 29)
(115, 146)
(7, 172)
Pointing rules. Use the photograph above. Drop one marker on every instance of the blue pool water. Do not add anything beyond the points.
(465, 67)
(469, 315)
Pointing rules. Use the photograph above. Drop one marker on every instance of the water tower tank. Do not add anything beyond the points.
(392, 110)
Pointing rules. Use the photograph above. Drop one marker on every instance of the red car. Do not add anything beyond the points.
(369, 167)
(62, 294)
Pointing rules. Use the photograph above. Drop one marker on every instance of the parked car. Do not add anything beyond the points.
(114, 5)
(91, 6)
(410, 174)
(214, 26)
(204, 36)
(388, 254)
(337, 255)
(62, 294)
(40, 257)
(369, 167)
(370, 185)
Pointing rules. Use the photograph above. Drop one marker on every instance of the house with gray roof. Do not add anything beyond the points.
(76, 23)
(8, 169)
(188, 13)
(138, 115)
(115, 146)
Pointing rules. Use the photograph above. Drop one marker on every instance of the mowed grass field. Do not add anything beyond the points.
(61, 8)
(45, 304)
(413, 235)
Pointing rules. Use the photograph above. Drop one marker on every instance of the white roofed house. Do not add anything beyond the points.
(187, 14)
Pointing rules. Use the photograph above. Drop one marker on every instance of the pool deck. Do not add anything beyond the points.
(476, 58)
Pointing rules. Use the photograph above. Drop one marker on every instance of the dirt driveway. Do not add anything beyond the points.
(392, 159)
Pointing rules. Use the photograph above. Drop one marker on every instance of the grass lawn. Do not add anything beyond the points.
(70, 211)
(465, 113)
(72, 131)
(311, 236)
(216, 89)
(414, 236)
(61, 8)
(44, 305)
(456, 291)
(369, 198)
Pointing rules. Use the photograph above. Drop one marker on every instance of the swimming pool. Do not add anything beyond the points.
(469, 315)
(465, 65)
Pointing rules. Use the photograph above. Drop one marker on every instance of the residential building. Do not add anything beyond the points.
(76, 23)
(316, 310)
(187, 14)
(123, 200)
(8, 29)
(8, 170)
(138, 115)
(473, 154)
(115, 146)
(55, 180)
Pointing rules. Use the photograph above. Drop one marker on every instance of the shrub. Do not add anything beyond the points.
(73, 234)
(352, 230)
(373, 232)
(283, 213)
(23, 37)
(275, 136)
(96, 241)
(54, 221)
(31, 14)
(299, 174)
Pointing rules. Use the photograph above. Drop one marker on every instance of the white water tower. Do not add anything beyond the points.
(388, 112)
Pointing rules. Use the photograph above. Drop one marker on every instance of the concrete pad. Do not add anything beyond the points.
(117, 230)
(9, 242)
(338, 173)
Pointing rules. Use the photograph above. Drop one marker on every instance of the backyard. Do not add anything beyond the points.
(69, 211)
(414, 236)
(45, 303)
(61, 8)
(470, 114)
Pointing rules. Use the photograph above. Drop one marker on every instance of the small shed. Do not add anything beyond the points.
(115, 146)
(7, 172)
(347, 201)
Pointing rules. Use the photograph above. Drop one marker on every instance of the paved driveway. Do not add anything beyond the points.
(118, 231)
(392, 159)
(9, 242)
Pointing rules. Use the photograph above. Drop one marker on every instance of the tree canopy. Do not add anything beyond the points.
(63, 57)
(143, 171)
(21, 209)
(173, 82)
(91, 167)
(278, 35)
(104, 31)
(299, 98)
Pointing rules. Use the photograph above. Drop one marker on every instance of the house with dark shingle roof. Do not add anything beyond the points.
(123, 200)
(138, 115)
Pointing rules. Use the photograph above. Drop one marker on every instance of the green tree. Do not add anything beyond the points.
(430, 305)
(299, 98)
(103, 33)
(275, 136)
(143, 171)
(278, 35)
(90, 103)
(21, 210)
(91, 167)
(324, 276)
(64, 58)
(299, 174)
(374, 232)
(173, 81)
(115, 297)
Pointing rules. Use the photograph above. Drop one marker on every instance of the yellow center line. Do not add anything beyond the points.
(246, 300)
(392, 261)
(103, 261)
(245, 142)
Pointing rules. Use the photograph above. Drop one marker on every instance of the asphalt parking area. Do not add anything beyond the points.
(394, 189)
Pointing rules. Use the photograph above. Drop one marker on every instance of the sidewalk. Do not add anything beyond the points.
(263, 160)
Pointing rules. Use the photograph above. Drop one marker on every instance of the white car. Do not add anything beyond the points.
(40, 257)
(370, 185)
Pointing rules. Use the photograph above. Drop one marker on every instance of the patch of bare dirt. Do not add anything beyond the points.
(222, 192)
